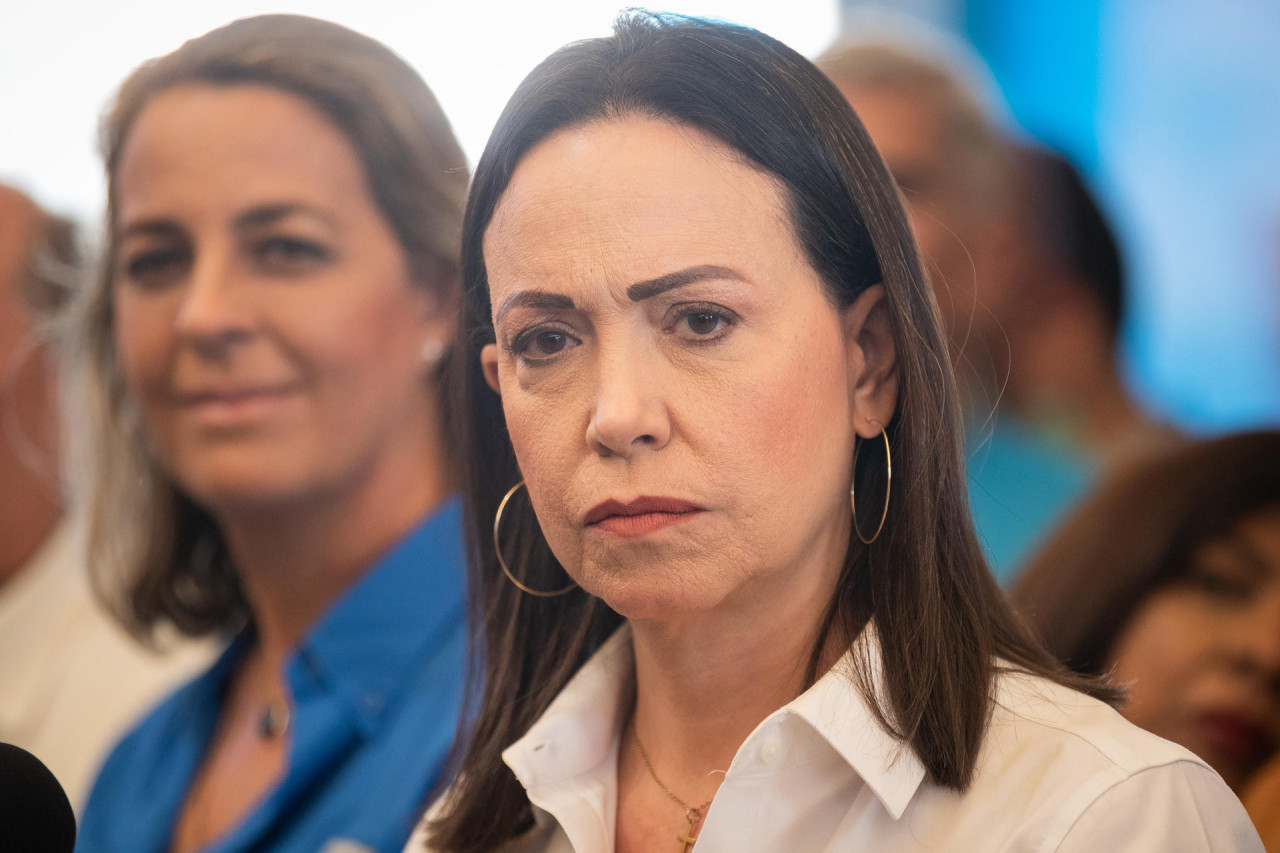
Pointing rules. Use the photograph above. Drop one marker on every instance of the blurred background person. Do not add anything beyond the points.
(71, 680)
(259, 363)
(1065, 301)
(1027, 275)
(1169, 578)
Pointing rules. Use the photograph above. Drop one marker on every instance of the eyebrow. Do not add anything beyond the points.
(255, 218)
(535, 299)
(269, 213)
(637, 292)
(643, 290)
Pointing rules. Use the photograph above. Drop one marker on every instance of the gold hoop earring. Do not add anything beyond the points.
(497, 549)
(888, 482)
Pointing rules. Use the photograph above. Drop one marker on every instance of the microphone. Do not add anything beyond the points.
(35, 814)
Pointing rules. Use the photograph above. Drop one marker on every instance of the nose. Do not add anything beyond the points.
(630, 413)
(213, 315)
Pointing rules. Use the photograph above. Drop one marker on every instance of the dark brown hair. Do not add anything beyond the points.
(1138, 534)
(1061, 212)
(941, 619)
(158, 556)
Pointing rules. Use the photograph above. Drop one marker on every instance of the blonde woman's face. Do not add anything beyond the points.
(679, 391)
(1202, 655)
(264, 314)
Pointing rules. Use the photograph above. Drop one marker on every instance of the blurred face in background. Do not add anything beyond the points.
(676, 382)
(953, 216)
(265, 317)
(29, 504)
(1201, 656)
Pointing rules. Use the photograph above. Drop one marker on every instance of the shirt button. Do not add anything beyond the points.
(771, 751)
(372, 702)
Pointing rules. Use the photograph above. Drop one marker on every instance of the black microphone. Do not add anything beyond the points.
(35, 814)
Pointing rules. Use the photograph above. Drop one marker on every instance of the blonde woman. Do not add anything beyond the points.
(261, 358)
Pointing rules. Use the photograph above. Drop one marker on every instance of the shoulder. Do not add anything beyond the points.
(1075, 772)
(1033, 717)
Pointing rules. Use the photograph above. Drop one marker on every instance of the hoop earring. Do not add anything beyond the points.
(497, 549)
(888, 482)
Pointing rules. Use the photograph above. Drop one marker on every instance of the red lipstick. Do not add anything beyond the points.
(640, 516)
(1241, 737)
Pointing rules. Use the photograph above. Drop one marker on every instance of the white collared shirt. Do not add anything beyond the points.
(1058, 771)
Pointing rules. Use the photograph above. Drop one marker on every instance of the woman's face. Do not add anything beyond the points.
(681, 395)
(1202, 655)
(264, 314)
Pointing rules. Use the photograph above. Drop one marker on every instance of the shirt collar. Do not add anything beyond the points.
(579, 731)
(841, 715)
(365, 645)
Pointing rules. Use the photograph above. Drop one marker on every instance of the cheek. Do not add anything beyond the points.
(1160, 655)
(369, 346)
(143, 333)
(796, 414)
(548, 448)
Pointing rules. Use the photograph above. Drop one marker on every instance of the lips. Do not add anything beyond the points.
(1239, 736)
(231, 394)
(640, 516)
(226, 407)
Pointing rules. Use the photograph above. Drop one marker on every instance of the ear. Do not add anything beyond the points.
(439, 313)
(872, 358)
(489, 364)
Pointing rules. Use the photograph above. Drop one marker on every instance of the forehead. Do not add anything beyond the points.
(634, 197)
(233, 144)
(901, 122)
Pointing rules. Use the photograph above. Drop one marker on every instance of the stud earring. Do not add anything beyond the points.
(432, 351)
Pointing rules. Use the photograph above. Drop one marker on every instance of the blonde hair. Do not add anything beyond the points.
(156, 555)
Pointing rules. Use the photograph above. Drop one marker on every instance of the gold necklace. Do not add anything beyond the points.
(691, 814)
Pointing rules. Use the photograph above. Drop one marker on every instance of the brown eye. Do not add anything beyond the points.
(1218, 584)
(541, 344)
(290, 254)
(155, 268)
(551, 342)
(704, 323)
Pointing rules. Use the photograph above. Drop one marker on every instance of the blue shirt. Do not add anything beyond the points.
(375, 687)
(1021, 485)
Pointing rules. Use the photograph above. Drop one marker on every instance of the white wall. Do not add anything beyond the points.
(61, 61)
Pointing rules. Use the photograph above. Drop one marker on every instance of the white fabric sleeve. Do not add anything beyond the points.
(1182, 807)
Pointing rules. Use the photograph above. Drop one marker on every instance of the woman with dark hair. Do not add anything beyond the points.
(707, 612)
(1169, 578)
(259, 364)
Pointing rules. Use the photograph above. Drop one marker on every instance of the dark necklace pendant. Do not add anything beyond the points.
(274, 721)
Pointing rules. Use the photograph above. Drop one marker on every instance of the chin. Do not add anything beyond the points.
(651, 597)
(231, 488)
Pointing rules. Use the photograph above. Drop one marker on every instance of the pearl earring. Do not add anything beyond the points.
(432, 351)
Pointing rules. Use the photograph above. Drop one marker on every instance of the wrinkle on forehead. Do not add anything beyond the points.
(601, 172)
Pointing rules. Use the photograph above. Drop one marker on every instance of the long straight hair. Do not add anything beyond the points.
(941, 620)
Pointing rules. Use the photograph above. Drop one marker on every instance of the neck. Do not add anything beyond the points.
(703, 685)
(1082, 394)
(296, 559)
